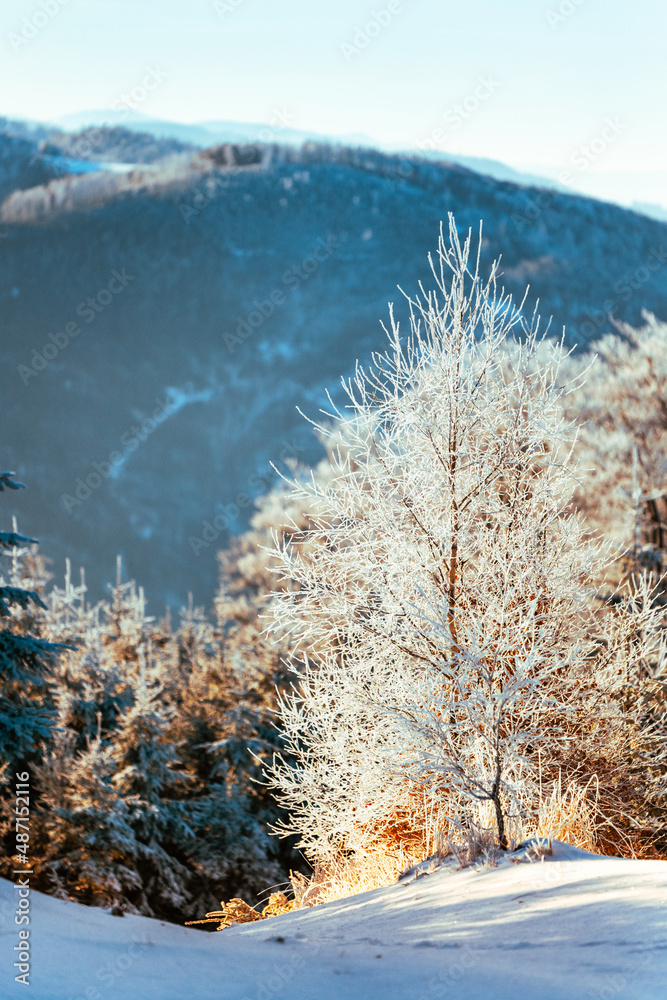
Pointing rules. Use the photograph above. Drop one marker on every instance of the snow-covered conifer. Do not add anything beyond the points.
(150, 778)
(25, 660)
(89, 850)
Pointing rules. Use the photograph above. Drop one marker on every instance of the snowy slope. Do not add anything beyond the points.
(575, 926)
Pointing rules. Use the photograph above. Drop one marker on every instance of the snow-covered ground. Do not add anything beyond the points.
(574, 926)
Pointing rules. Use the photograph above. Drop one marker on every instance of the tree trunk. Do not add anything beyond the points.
(500, 819)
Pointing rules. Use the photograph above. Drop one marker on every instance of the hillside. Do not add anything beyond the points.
(161, 326)
(575, 926)
(21, 165)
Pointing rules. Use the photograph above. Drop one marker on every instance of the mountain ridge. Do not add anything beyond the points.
(245, 279)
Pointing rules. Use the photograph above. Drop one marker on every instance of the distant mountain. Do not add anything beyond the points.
(124, 117)
(209, 133)
(114, 144)
(618, 187)
(653, 211)
(492, 168)
(160, 326)
(205, 134)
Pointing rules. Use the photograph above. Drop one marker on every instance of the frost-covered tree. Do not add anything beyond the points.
(625, 744)
(150, 778)
(161, 722)
(443, 593)
(89, 850)
(25, 660)
(622, 408)
(93, 680)
(223, 726)
(26, 667)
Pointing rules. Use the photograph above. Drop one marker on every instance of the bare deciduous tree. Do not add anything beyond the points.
(445, 607)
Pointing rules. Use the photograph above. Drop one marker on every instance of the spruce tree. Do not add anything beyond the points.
(92, 680)
(153, 784)
(90, 850)
(26, 662)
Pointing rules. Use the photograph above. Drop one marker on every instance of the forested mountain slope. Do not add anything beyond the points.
(159, 327)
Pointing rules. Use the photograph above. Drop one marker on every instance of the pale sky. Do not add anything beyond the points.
(545, 85)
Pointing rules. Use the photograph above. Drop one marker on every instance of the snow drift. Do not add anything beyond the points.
(573, 926)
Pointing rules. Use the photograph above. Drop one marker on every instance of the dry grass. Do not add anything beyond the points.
(237, 911)
(406, 839)
(349, 876)
(568, 814)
